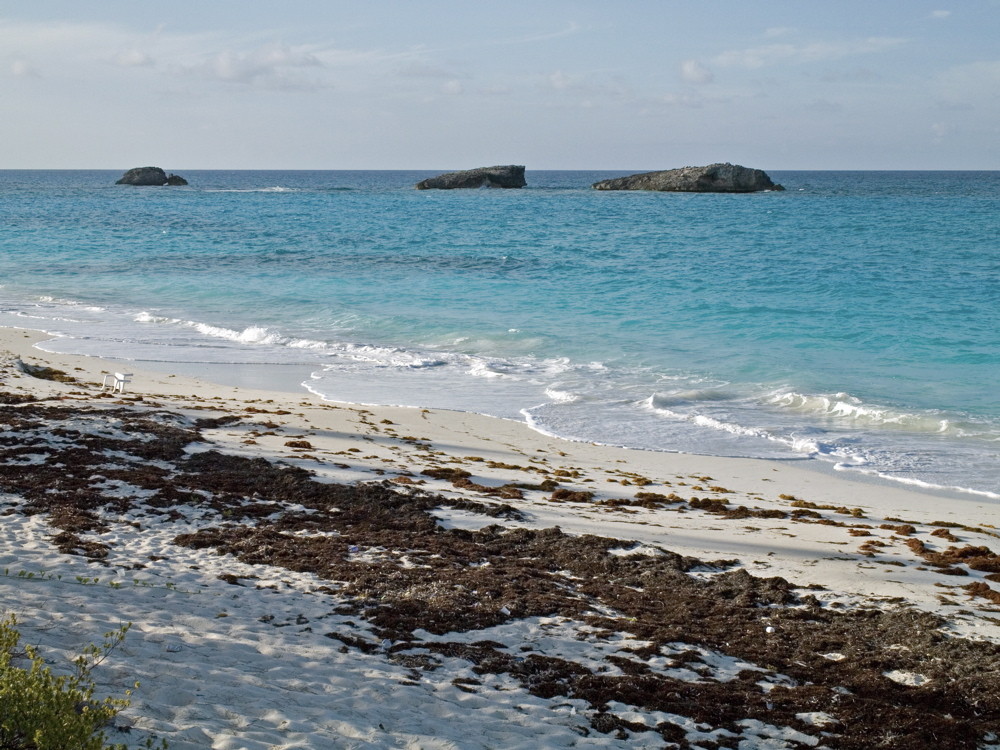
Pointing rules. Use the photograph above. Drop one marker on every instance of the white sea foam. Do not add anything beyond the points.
(561, 396)
(688, 396)
(481, 368)
(731, 427)
(266, 336)
(914, 482)
(585, 400)
(850, 408)
(307, 344)
(806, 446)
(261, 335)
(48, 299)
(386, 356)
(274, 189)
(147, 317)
(797, 439)
(249, 335)
(51, 318)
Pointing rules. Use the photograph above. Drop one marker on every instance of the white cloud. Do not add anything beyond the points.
(686, 99)
(73, 51)
(954, 106)
(940, 14)
(976, 84)
(400, 69)
(824, 107)
(590, 88)
(133, 58)
(423, 70)
(560, 80)
(53, 36)
(775, 54)
(571, 28)
(22, 69)
(67, 48)
(850, 75)
(270, 62)
(693, 71)
(497, 90)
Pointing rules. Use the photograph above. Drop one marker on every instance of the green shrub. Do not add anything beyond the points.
(43, 711)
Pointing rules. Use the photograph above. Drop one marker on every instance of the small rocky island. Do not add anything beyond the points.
(150, 176)
(511, 176)
(715, 178)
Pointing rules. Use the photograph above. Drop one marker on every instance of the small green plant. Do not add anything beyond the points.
(43, 711)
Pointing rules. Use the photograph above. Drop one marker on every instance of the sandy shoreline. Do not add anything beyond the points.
(245, 662)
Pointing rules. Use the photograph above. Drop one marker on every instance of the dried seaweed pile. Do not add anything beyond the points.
(801, 659)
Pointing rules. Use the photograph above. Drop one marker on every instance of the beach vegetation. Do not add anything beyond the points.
(564, 495)
(47, 373)
(8, 398)
(843, 510)
(658, 497)
(944, 534)
(513, 467)
(42, 710)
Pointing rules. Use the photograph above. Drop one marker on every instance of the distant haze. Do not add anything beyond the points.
(450, 84)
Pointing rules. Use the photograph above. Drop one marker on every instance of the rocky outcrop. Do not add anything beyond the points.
(511, 176)
(715, 178)
(150, 176)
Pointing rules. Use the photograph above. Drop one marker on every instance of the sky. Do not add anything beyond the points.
(453, 84)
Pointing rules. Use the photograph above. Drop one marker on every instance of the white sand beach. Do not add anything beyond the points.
(235, 651)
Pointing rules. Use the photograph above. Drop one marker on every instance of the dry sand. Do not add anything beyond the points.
(273, 609)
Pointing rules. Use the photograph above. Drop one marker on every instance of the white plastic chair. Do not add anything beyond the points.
(116, 381)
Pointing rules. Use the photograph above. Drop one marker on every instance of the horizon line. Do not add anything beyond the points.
(527, 169)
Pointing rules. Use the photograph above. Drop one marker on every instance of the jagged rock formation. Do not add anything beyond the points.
(150, 176)
(511, 176)
(715, 178)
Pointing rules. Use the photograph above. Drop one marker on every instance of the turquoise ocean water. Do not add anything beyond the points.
(853, 319)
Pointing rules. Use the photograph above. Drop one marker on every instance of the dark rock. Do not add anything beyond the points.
(150, 176)
(715, 178)
(511, 176)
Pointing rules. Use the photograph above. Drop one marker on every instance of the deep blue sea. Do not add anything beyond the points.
(852, 319)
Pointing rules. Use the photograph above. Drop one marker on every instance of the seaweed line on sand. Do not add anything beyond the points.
(424, 586)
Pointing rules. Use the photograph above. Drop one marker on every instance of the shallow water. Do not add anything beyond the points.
(853, 318)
